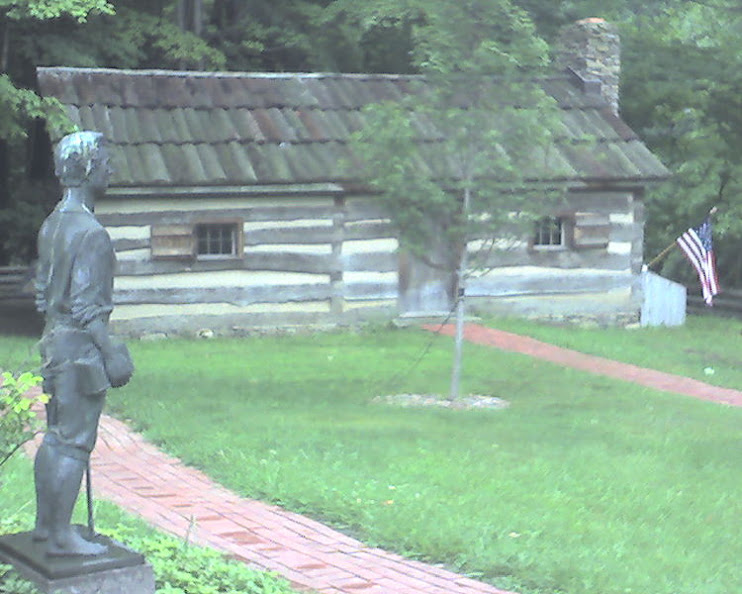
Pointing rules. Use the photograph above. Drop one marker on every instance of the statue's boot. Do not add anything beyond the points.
(68, 543)
(63, 539)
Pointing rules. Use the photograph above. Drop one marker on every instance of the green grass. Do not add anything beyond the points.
(18, 353)
(704, 342)
(583, 485)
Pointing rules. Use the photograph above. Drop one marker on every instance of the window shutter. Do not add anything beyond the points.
(173, 242)
(591, 230)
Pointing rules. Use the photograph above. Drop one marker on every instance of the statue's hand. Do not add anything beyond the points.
(119, 366)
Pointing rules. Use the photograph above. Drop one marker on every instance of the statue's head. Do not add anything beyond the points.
(81, 158)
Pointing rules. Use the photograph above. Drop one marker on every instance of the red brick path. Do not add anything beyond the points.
(625, 371)
(183, 501)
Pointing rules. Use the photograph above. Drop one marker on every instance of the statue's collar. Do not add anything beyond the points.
(73, 206)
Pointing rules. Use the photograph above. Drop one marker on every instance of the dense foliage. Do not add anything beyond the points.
(18, 423)
(680, 83)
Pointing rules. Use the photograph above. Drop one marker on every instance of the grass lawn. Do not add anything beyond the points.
(583, 485)
(705, 342)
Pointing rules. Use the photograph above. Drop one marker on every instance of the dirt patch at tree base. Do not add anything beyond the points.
(469, 402)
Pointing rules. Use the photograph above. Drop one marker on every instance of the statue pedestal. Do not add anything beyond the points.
(119, 571)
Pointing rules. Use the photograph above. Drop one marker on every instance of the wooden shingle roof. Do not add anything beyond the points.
(185, 129)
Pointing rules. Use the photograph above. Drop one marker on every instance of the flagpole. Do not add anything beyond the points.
(667, 250)
(661, 255)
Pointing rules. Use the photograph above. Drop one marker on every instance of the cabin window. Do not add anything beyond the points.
(550, 232)
(218, 240)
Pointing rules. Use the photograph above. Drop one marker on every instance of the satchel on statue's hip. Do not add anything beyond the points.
(67, 350)
(121, 367)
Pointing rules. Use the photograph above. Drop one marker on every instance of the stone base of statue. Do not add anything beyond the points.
(119, 571)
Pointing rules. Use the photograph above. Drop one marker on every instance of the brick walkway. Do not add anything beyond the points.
(632, 373)
(183, 501)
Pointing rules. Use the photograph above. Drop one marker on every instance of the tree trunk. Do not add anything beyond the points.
(198, 9)
(4, 199)
(190, 18)
(458, 344)
(460, 308)
(5, 44)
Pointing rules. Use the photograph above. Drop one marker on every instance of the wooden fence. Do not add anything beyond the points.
(18, 314)
(16, 282)
(727, 303)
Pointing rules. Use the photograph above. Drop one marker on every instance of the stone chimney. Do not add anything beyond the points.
(591, 48)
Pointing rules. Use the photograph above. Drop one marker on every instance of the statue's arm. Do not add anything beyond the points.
(92, 301)
(91, 279)
(41, 281)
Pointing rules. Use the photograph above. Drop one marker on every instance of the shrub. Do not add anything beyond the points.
(181, 568)
(18, 422)
(12, 583)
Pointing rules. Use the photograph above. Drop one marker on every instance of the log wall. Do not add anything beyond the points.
(309, 260)
(599, 283)
(328, 259)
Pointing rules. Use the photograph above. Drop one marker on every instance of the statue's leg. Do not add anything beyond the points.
(64, 539)
(43, 468)
(68, 444)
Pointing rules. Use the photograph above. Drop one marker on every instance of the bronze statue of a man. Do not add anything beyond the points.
(80, 361)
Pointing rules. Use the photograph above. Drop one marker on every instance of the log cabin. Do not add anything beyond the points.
(231, 208)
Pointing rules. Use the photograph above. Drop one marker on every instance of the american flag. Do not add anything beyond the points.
(698, 248)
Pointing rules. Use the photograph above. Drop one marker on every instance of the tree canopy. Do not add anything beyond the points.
(680, 87)
(450, 160)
